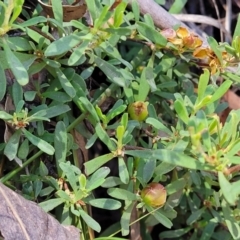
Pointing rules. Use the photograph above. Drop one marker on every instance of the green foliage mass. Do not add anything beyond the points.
(182, 143)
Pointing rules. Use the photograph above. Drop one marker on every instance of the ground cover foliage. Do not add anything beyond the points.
(110, 111)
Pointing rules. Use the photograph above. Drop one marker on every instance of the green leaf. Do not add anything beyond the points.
(66, 216)
(159, 215)
(64, 44)
(90, 221)
(78, 52)
(82, 181)
(173, 157)
(202, 85)
(221, 90)
(51, 204)
(92, 165)
(94, 7)
(5, 116)
(195, 216)
(125, 219)
(102, 134)
(37, 186)
(232, 76)
(215, 47)
(52, 63)
(175, 233)
(91, 141)
(60, 143)
(3, 82)
(114, 53)
(57, 96)
(46, 191)
(33, 21)
(230, 194)
(93, 180)
(148, 20)
(41, 144)
(52, 111)
(57, 10)
(151, 34)
(62, 194)
(123, 171)
(181, 111)
(17, 93)
(119, 14)
(30, 95)
(122, 194)
(176, 186)
(148, 169)
(164, 167)
(23, 150)
(231, 222)
(113, 74)
(105, 203)
(11, 147)
(177, 6)
(158, 125)
(65, 83)
(208, 230)
(43, 171)
(103, 17)
(119, 135)
(89, 108)
(144, 87)
(237, 28)
(136, 10)
(115, 112)
(111, 182)
(16, 10)
(70, 171)
(16, 66)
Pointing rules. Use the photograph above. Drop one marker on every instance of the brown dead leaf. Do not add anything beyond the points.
(135, 232)
(237, 2)
(23, 219)
(9, 130)
(233, 101)
(83, 152)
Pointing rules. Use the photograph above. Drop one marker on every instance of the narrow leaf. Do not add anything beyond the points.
(105, 203)
(51, 204)
(11, 147)
(92, 165)
(3, 82)
(41, 144)
(17, 68)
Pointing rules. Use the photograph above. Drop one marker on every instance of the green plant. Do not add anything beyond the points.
(179, 141)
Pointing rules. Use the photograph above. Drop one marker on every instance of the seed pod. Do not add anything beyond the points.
(138, 110)
(154, 195)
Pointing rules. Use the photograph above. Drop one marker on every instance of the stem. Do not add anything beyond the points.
(90, 231)
(154, 210)
(76, 122)
(15, 171)
(81, 229)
